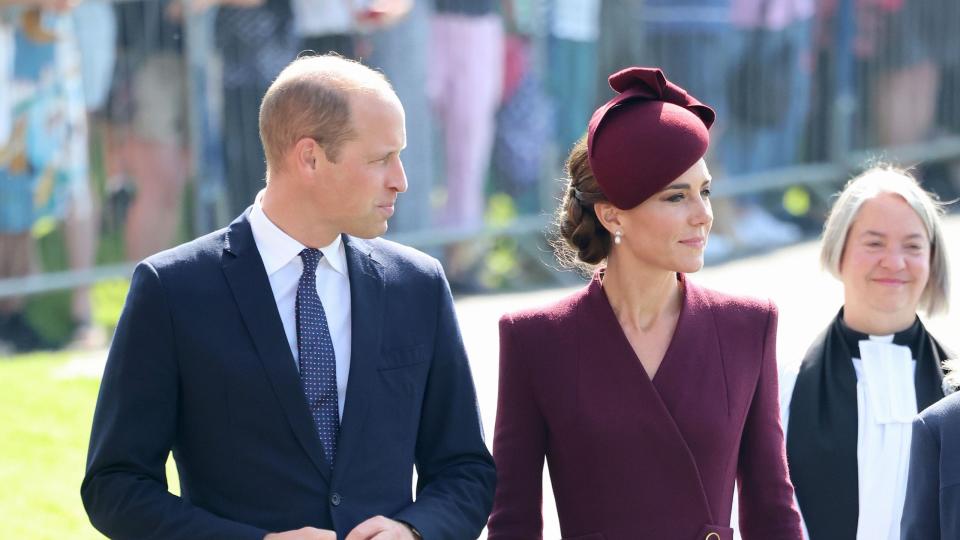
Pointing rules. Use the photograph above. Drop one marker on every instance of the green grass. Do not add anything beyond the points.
(44, 430)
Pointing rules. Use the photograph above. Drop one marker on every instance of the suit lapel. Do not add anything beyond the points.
(248, 280)
(367, 292)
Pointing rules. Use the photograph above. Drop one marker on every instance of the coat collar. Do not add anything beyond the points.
(694, 340)
(695, 337)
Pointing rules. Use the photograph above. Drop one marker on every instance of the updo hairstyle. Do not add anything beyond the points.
(580, 241)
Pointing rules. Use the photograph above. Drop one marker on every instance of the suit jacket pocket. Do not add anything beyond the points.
(402, 357)
(591, 536)
(714, 532)
(402, 379)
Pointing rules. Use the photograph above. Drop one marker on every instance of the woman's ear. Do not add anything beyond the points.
(609, 216)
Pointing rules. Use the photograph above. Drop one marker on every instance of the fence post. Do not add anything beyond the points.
(844, 103)
(206, 157)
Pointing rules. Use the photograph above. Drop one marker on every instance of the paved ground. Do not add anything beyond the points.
(807, 297)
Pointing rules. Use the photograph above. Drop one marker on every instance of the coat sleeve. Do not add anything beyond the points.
(767, 508)
(455, 472)
(125, 487)
(519, 446)
(921, 510)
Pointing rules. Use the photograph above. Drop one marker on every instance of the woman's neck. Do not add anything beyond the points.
(876, 323)
(641, 297)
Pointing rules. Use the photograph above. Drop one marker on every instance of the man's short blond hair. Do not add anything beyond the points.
(310, 98)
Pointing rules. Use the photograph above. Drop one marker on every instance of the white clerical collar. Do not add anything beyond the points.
(277, 248)
(888, 371)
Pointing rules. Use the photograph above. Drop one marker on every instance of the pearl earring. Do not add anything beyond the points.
(618, 237)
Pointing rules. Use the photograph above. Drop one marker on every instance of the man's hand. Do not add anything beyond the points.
(381, 528)
(306, 533)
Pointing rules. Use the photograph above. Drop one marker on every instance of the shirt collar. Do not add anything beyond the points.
(277, 248)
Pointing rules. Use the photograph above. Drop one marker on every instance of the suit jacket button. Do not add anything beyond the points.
(335, 499)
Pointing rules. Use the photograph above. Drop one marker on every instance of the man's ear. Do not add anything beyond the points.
(609, 216)
(307, 154)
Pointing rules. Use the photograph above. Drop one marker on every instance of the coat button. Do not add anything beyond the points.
(335, 499)
(712, 536)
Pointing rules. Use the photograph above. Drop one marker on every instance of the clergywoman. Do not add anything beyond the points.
(851, 404)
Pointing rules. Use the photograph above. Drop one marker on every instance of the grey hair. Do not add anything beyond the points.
(888, 179)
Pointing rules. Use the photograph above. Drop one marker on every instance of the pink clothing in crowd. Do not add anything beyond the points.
(779, 13)
(465, 83)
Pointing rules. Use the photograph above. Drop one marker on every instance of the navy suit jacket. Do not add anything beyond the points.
(932, 508)
(200, 365)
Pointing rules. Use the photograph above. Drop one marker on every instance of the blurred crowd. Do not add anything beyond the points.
(138, 116)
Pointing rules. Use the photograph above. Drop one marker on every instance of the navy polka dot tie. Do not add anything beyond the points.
(318, 363)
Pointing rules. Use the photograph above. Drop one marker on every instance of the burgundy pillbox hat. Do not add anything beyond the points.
(646, 136)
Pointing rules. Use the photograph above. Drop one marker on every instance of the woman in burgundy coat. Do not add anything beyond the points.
(648, 396)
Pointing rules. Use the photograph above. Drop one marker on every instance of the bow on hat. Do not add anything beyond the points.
(651, 84)
(646, 136)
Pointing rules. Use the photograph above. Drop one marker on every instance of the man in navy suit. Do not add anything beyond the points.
(932, 507)
(297, 367)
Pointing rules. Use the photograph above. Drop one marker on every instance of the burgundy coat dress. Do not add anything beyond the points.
(633, 458)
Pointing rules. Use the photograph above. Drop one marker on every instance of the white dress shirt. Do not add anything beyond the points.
(886, 405)
(281, 260)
